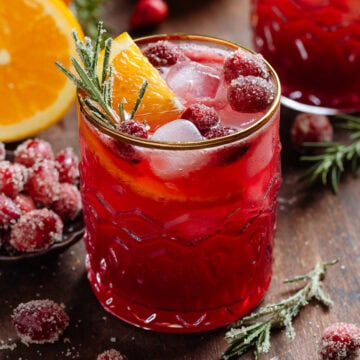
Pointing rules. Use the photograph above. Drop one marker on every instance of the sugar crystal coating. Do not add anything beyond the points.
(12, 178)
(24, 202)
(202, 116)
(111, 354)
(43, 183)
(40, 321)
(9, 212)
(340, 341)
(33, 150)
(162, 53)
(244, 63)
(36, 230)
(66, 163)
(250, 94)
(68, 204)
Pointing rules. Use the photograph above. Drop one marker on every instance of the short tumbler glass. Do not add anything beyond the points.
(187, 252)
(314, 45)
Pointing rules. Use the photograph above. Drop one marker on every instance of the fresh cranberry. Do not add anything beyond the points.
(219, 131)
(43, 183)
(67, 165)
(24, 202)
(243, 63)
(229, 154)
(311, 128)
(40, 321)
(148, 13)
(162, 53)
(111, 354)
(134, 128)
(32, 151)
(9, 212)
(340, 341)
(12, 178)
(202, 116)
(250, 94)
(36, 230)
(2, 151)
(68, 205)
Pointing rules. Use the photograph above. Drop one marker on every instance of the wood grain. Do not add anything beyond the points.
(313, 224)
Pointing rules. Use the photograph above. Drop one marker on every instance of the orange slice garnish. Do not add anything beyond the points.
(160, 103)
(34, 93)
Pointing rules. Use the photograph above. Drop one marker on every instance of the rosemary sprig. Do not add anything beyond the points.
(88, 12)
(331, 163)
(248, 333)
(98, 91)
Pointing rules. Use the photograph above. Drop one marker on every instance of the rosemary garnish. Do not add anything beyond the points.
(246, 333)
(331, 163)
(88, 12)
(98, 91)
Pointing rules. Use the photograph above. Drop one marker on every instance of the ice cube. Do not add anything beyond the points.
(193, 82)
(177, 131)
(170, 164)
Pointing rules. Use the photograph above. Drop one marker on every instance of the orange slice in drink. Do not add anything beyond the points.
(34, 93)
(160, 103)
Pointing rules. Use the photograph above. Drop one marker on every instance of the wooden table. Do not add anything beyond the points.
(313, 224)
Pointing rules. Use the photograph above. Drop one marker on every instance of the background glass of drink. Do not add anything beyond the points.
(179, 236)
(314, 45)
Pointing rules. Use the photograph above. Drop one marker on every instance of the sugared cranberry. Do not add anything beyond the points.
(36, 230)
(40, 321)
(2, 151)
(250, 94)
(219, 131)
(9, 212)
(12, 178)
(243, 63)
(32, 151)
(148, 13)
(162, 53)
(43, 183)
(67, 165)
(24, 202)
(202, 116)
(134, 128)
(340, 341)
(311, 128)
(111, 354)
(68, 205)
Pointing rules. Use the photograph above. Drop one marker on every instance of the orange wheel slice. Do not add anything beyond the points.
(160, 103)
(34, 93)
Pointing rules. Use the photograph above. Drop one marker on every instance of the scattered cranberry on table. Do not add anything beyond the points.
(111, 354)
(340, 341)
(311, 128)
(148, 13)
(40, 321)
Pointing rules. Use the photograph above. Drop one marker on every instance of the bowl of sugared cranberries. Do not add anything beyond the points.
(40, 203)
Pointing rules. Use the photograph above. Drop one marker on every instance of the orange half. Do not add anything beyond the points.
(160, 103)
(34, 93)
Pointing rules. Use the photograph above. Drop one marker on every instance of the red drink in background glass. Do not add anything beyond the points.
(179, 237)
(314, 45)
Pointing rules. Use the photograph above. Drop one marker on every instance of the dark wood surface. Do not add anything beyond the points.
(313, 224)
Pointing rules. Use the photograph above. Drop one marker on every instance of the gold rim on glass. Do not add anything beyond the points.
(241, 134)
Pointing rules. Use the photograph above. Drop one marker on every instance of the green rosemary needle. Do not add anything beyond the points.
(253, 331)
(98, 91)
(331, 163)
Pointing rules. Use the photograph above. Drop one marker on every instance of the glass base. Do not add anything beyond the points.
(295, 105)
(172, 321)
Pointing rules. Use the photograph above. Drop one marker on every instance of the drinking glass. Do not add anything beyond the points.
(314, 45)
(179, 236)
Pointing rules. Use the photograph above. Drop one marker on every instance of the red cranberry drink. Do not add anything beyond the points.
(180, 211)
(314, 46)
